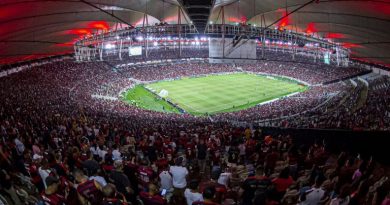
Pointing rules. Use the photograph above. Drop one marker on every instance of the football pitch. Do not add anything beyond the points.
(211, 94)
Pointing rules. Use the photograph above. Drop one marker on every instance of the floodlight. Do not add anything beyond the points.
(109, 46)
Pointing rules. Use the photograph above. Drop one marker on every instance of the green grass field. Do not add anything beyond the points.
(141, 97)
(212, 94)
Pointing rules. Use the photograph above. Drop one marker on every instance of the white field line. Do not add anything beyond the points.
(186, 105)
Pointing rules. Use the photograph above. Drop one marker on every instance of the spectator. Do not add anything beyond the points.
(192, 193)
(166, 183)
(97, 177)
(343, 198)
(270, 160)
(51, 196)
(89, 191)
(8, 190)
(151, 152)
(220, 190)
(146, 174)
(359, 195)
(152, 197)
(224, 178)
(282, 182)
(201, 155)
(44, 171)
(314, 195)
(120, 180)
(116, 155)
(208, 196)
(255, 187)
(179, 174)
(90, 165)
(112, 197)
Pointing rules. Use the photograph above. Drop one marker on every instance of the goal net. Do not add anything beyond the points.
(163, 93)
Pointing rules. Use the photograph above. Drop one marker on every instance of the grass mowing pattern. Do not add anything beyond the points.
(217, 93)
(141, 97)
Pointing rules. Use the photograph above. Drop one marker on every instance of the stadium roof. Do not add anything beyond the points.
(37, 28)
(362, 25)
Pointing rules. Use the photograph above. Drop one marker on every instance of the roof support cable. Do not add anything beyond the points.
(288, 14)
(104, 11)
(254, 8)
(286, 7)
(163, 17)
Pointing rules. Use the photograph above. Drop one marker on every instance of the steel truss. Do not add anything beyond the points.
(293, 39)
(92, 48)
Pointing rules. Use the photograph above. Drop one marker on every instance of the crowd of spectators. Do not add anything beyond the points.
(374, 113)
(73, 84)
(304, 71)
(61, 146)
(172, 71)
(79, 159)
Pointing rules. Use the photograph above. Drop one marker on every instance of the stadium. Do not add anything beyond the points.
(194, 102)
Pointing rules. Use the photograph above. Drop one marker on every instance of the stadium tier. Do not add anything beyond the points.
(67, 108)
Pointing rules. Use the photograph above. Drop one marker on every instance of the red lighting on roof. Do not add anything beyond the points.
(334, 35)
(244, 19)
(285, 21)
(350, 45)
(234, 19)
(368, 60)
(99, 25)
(13, 10)
(68, 44)
(80, 31)
(381, 8)
(311, 28)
